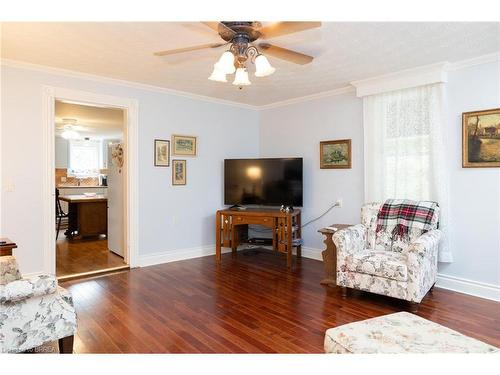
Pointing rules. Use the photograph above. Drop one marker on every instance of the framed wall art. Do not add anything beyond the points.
(185, 145)
(162, 153)
(481, 139)
(335, 154)
(178, 172)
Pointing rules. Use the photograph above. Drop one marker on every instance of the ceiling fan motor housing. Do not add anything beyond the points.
(249, 29)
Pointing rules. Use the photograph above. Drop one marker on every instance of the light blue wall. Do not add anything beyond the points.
(296, 130)
(474, 192)
(171, 218)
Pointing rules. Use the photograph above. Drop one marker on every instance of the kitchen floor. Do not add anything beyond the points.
(85, 255)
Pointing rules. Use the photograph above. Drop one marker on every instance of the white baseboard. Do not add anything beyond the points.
(203, 251)
(175, 255)
(32, 274)
(312, 253)
(474, 288)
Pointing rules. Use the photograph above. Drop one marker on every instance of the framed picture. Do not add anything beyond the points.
(335, 154)
(481, 139)
(178, 172)
(162, 153)
(184, 145)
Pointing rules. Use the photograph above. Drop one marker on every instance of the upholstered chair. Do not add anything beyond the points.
(33, 311)
(373, 262)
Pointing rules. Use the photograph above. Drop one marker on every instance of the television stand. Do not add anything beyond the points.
(232, 229)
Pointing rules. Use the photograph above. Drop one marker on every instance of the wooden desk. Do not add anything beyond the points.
(330, 254)
(232, 224)
(6, 248)
(88, 216)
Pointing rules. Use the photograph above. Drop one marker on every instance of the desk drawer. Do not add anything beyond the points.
(268, 221)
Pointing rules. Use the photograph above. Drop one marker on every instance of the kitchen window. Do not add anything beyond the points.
(85, 158)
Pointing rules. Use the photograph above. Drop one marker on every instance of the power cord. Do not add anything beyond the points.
(266, 230)
(323, 214)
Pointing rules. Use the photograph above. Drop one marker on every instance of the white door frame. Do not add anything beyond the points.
(130, 106)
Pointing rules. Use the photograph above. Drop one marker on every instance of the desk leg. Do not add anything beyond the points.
(329, 261)
(217, 237)
(289, 235)
(299, 235)
(235, 239)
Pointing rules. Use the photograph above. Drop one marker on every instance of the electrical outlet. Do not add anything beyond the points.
(174, 219)
(339, 203)
(63, 179)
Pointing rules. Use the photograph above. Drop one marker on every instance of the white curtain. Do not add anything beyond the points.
(405, 150)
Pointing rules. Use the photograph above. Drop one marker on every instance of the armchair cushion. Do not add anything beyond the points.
(388, 264)
(9, 271)
(26, 288)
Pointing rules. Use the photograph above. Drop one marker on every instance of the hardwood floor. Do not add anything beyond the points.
(250, 304)
(77, 256)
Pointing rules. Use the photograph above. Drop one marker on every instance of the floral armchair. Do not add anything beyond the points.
(373, 262)
(33, 311)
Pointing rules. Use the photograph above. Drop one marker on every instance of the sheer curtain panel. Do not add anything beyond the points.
(405, 150)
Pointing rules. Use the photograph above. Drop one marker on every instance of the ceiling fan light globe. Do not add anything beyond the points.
(241, 78)
(262, 67)
(226, 63)
(69, 133)
(217, 75)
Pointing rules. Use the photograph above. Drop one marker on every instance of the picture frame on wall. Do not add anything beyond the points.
(184, 145)
(178, 172)
(162, 153)
(335, 154)
(481, 139)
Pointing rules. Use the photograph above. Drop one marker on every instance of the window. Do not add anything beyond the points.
(404, 150)
(399, 143)
(85, 158)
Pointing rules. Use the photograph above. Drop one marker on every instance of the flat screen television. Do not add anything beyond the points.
(264, 182)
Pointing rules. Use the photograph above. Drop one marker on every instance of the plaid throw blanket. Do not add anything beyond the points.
(404, 214)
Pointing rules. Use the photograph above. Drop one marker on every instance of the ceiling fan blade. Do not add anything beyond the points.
(188, 49)
(286, 54)
(216, 26)
(283, 28)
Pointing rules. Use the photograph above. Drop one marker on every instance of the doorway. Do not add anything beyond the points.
(90, 188)
(89, 180)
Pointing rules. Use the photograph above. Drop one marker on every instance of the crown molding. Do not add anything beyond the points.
(485, 59)
(410, 77)
(403, 79)
(119, 82)
(300, 99)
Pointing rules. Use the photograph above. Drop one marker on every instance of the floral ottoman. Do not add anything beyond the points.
(400, 333)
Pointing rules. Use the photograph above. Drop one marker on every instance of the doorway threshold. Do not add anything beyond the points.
(91, 274)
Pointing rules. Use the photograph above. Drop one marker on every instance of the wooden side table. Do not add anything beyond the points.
(330, 254)
(6, 248)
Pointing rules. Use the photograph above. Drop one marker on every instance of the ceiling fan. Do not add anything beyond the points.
(68, 129)
(241, 35)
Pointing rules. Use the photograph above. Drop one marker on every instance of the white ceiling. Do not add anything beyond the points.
(343, 52)
(93, 122)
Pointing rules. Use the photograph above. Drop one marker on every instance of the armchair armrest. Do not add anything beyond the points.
(422, 256)
(27, 288)
(425, 245)
(350, 240)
